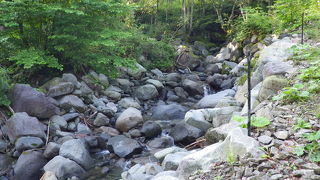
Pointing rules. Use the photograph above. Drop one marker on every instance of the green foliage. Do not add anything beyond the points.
(289, 12)
(304, 52)
(4, 87)
(80, 35)
(230, 157)
(292, 94)
(158, 54)
(258, 122)
(301, 124)
(241, 80)
(311, 73)
(312, 148)
(254, 22)
(31, 57)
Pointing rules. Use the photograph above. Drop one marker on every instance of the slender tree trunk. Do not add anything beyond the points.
(191, 16)
(184, 10)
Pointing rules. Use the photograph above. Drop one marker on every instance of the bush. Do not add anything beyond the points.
(255, 22)
(292, 94)
(4, 87)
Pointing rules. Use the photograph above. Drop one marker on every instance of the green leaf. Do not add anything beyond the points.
(239, 119)
(260, 122)
(314, 156)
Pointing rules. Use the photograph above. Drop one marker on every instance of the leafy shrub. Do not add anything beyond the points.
(76, 35)
(258, 122)
(292, 94)
(256, 22)
(158, 54)
(312, 148)
(311, 73)
(4, 87)
(301, 124)
(304, 52)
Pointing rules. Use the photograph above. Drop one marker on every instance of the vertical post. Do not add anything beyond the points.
(302, 28)
(249, 94)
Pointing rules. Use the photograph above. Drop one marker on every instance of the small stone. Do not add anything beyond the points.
(52, 150)
(101, 120)
(28, 142)
(303, 172)
(265, 139)
(281, 134)
(276, 176)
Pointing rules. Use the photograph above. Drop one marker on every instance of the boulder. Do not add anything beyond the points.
(214, 135)
(276, 52)
(160, 155)
(26, 99)
(216, 81)
(76, 150)
(125, 85)
(62, 88)
(29, 166)
(146, 92)
(114, 95)
(212, 100)
(192, 87)
(5, 163)
(64, 168)
(72, 101)
(68, 77)
(161, 142)
(124, 147)
(49, 176)
(129, 119)
(21, 124)
(198, 119)
(171, 161)
(213, 69)
(137, 172)
(136, 73)
(59, 122)
(28, 142)
(151, 129)
(156, 83)
(236, 144)
(129, 102)
(166, 175)
(168, 112)
(183, 132)
(270, 86)
(51, 150)
(276, 68)
(101, 120)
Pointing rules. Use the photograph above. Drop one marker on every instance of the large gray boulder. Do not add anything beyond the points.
(129, 102)
(29, 166)
(160, 155)
(21, 124)
(276, 68)
(168, 112)
(146, 92)
(26, 99)
(212, 100)
(138, 72)
(5, 163)
(129, 119)
(77, 151)
(62, 88)
(270, 86)
(64, 168)
(183, 132)
(277, 52)
(28, 142)
(124, 147)
(72, 101)
(192, 87)
(171, 161)
(198, 119)
(236, 144)
(214, 135)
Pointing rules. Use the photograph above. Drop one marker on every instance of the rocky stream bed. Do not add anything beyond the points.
(153, 125)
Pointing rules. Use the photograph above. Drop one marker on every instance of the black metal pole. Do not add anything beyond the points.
(249, 94)
(302, 28)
